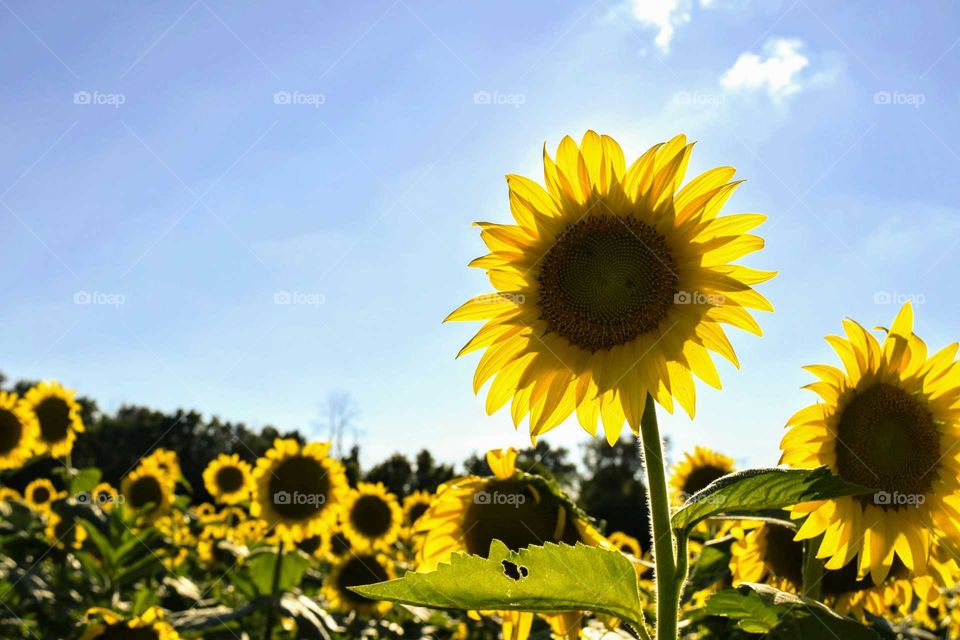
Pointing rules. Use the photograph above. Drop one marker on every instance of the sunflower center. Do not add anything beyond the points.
(700, 477)
(63, 527)
(40, 495)
(371, 516)
(10, 431)
(310, 545)
(783, 556)
(299, 487)
(229, 479)
(888, 440)
(339, 544)
(357, 571)
(123, 632)
(145, 490)
(54, 417)
(518, 515)
(606, 281)
(416, 511)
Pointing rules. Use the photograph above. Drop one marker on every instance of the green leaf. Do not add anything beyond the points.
(548, 578)
(758, 489)
(712, 565)
(260, 569)
(99, 540)
(85, 481)
(759, 608)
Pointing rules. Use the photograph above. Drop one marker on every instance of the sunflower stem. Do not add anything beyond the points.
(812, 569)
(668, 573)
(274, 594)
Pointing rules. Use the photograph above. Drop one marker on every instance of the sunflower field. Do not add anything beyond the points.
(613, 290)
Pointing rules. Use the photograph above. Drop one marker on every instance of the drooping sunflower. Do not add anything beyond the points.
(613, 284)
(40, 494)
(414, 506)
(355, 570)
(890, 422)
(229, 479)
(298, 488)
(371, 517)
(19, 431)
(625, 543)
(696, 471)
(104, 496)
(65, 532)
(58, 416)
(104, 623)
(148, 491)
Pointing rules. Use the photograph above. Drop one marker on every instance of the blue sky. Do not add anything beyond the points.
(173, 170)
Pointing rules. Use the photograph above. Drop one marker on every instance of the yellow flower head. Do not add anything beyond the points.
(696, 471)
(355, 570)
(148, 491)
(65, 532)
(19, 431)
(229, 479)
(613, 284)
(889, 422)
(625, 543)
(166, 461)
(371, 517)
(414, 506)
(40, 494)
(104, 623)
(298, 487)
(104, 496)
(58, 417)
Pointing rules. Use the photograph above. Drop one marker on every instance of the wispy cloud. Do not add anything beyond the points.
(776, 71)
(664, 16)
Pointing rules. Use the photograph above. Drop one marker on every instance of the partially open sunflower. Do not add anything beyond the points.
(19, 431)
(65, 532)
(613, 284)
(890, 422)
(371, 517)
(298, 488)
(10, 495)
(695, 471)
(355, 570)
(58, 416)
(148, 491)
(104, 624)
(229, 479)
(40, 494)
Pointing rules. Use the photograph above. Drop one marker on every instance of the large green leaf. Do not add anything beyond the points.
(548, 578)
(84, 482)
(753, 490)
(260, 567)
(759, 608)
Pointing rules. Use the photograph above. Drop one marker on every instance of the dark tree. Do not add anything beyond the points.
(395, 473)
(430, 475)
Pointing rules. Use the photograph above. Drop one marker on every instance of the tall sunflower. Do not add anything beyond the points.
(371, 516)
(104, 623)
(229, 479)
(696, 471)
(890, 421)
(40, 494)
(19, 431)
(58, 415)
(297, 488)
(613, 284)
(356, 570)
(148, 491)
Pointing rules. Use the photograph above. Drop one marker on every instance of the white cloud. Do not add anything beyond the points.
(663, 15)
(777, 72)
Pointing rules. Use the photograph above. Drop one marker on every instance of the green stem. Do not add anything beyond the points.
(668, 573)
(812, 569)
(274, 594)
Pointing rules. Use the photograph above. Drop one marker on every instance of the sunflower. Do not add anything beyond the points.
(228, 479)
(317, 545)
(104, 496)
(19, 431)
(889, 422)
(355, 570)
(625, 543)
(298, 487)
(414, 506)
(10, 495)
(148, 491)
(696, 471)
(40, 494)
(612, 285)
(104, 624)
(58, 417)
(167, 461)
(65, 532)
(371, 516)
(339, 546)
(768, 554)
